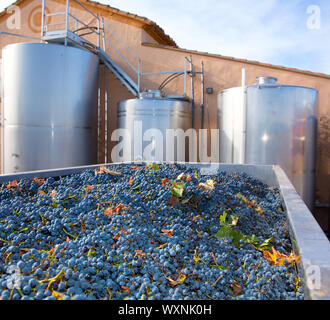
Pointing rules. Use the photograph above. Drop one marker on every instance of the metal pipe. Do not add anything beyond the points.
(244, 120)
(122, 42)
(243, 77)
(192, 91)
(91, 12)
(114, 48)
(185, 76)
(18, 35)
(98, 117)
(106, 106)
(203, 97)
(83, 23)
(54, 14)
(54, 24)
(155, 73)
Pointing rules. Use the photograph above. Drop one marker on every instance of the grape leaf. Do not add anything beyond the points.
(181, 176)
(103, 169)
(185, 201)
(169, 233)
(266, 244)
(217, 267)
(40, 181)
(259, 210)
(12, 184)
(164, 181)
(236, 288)
(58, 295)
(130, 182)
(153, 166)
(211, 183)
(180, 279)
(177, 189)
(274, 257)
(126, 289)
(173, 200)
(53, 193)
(205, 186)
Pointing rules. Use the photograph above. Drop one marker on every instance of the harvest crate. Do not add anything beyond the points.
(307, 238)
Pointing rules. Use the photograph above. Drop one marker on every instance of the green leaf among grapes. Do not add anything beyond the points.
(177, 188)
(266, 244)
(217, 267)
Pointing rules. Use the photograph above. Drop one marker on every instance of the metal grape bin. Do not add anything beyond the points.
(308, 239)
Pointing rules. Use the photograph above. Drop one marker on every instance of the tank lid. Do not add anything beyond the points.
(150, 94)
(266, 80)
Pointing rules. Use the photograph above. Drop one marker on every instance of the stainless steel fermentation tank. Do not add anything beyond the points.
(147, 122)
(49, 107)
(271, 123)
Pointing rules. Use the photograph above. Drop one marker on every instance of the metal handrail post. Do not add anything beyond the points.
(67, 21)
(185, 76)
(139, 75)
(106, 110)
(43, 17)
(192, 93)
(203, 97)
(104, 43)
(98, 32)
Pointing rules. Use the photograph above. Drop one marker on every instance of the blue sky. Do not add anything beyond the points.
(271, 31)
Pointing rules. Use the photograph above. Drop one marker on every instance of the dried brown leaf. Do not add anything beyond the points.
(205, 186)
(236, 288)
(181, 176)
(126, 289)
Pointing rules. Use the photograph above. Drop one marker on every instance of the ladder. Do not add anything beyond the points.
(74, 32)
(76, 36)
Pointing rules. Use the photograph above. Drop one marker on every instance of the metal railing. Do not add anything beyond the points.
(106, 39)
(106, 42)
(81, 29)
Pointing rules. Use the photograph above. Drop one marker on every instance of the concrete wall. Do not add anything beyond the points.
(220, 73)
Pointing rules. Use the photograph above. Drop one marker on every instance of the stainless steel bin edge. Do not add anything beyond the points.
(308, 239)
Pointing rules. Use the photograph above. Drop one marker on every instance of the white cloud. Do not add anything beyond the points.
(5, 3)
(273, 31)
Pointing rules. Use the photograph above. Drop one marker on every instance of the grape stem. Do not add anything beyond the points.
(51, 280)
